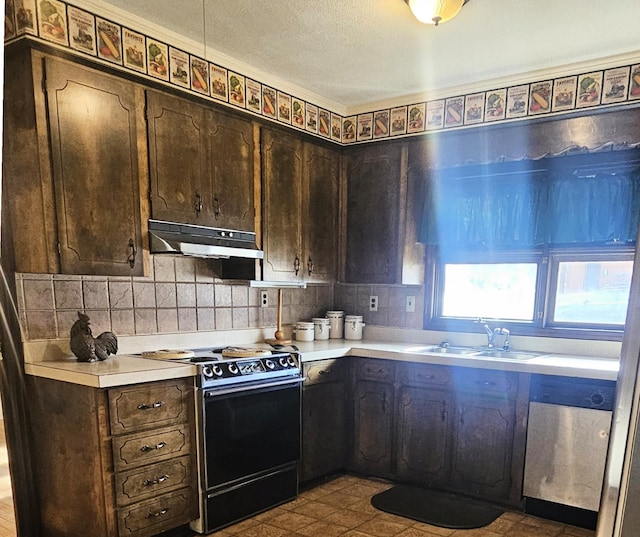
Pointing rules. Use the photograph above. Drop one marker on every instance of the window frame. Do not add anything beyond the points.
(548, 262)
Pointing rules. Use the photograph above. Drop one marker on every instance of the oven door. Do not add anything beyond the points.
(248, 431)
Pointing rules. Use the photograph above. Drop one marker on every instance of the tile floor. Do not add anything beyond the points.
(7, 519)
(342, 507)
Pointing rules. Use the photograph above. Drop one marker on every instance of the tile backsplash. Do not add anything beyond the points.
(182, 295)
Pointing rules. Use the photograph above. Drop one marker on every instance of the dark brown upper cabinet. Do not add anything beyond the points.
(201, 164)
(74, 166)
(374, 194)
(300, 208)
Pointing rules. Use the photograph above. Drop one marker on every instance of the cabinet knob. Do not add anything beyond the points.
(310, 266)
(296, 265)
(216, 205)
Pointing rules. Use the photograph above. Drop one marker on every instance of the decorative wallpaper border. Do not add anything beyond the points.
(86, 33)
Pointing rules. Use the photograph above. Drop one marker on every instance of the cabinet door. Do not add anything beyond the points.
(483, 446)
(372, 427)
(96, 124)
(282, 156)
(424, 435)
(323, 429)
(177, 158)
(322, 174)
(229, 199)
(373, 215)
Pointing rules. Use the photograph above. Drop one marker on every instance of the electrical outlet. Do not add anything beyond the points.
(373, 303)
(411, 304)
(264, 299)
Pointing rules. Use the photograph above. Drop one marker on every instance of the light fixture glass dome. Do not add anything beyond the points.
(435, 11)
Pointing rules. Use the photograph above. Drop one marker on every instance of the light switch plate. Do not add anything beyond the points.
(373, 303)
(411, 304)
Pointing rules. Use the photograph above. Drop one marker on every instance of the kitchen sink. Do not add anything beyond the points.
(513, 355)
(437, 349)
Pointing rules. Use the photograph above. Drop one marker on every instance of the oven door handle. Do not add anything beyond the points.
(254, 387)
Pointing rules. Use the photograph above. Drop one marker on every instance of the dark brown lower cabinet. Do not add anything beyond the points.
(107, 467)
(424, 431)
(324, 418)
(483, 446)
(373, 417)
(453, 428)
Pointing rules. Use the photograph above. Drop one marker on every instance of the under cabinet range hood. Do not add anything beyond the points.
(201, 241)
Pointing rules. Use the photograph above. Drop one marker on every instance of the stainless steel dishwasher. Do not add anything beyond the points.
(567, 440)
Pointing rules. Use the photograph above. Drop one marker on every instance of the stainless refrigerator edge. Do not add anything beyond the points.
(619, 515)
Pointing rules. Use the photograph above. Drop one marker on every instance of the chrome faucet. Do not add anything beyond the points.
(491, 334)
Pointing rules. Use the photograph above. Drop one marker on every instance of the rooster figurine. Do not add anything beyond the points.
(86, 347)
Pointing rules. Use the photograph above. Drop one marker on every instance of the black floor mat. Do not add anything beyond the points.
(437, 508)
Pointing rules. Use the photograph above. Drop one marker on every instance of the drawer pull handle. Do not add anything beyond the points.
(156, 481)
(374, 370)
(156, 514)
(145, 406)
(427, 377)
(324, 371)
(485, 383)
(146, 448)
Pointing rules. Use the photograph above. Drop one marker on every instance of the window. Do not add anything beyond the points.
(489, 290)
(591, 292)
(537, 292)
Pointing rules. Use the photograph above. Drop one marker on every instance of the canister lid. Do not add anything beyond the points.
(320, 320)
(304, 325)
(335, 313)
(353, 318)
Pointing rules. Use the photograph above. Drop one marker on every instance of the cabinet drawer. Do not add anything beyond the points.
(133, 450)
(424, 375)
(325, 371)
(486, 381)
(155, 516)
(381, 370)
(157, 404)
(149, 481)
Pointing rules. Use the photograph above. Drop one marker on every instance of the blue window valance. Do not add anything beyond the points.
(531, 208)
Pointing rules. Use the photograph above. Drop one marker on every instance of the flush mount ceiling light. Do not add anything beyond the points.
(435, 11)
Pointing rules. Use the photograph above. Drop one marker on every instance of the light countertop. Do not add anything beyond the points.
(52, 359)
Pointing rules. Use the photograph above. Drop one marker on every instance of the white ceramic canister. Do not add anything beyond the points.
(336, 321)
(304, 331)
(321, 327)
(353, 327)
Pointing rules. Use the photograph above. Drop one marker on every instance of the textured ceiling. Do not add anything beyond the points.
(360, 53)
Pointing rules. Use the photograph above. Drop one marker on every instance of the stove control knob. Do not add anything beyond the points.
(233, 369)
(291, 362)
(283, 361)
(270, 364)
(207, 371)
(217, 370)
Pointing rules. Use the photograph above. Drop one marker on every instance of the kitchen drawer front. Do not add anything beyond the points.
(133, 450)
(142, 406)
(486, 382)
(163, 513)
(325, 371)
(424, 375)
(380, 370)
(150, 481)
